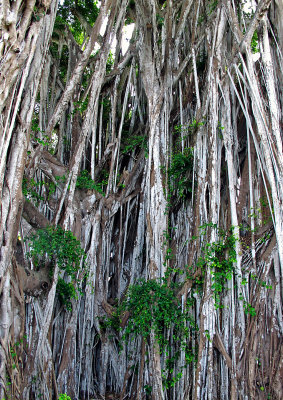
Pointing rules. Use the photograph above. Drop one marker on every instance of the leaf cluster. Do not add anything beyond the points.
(66, 16)
(135, 142)
(63, 396)
(254, 43)
(180, 173)
(38, 136)
(55, 245)
(84, 181)
(219, 257)
(30, 189)
(154, 307)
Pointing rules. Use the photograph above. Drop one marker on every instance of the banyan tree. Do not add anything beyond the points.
(141, 184)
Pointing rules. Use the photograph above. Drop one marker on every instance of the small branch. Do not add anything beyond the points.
(183, 18)
(87, 27)
(185, 62)
(218, 343)
(262, 8)
(33, 216)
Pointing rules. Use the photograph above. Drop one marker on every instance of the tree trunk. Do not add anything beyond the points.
(141, 200)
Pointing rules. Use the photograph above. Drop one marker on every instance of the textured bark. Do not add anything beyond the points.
(188, 84)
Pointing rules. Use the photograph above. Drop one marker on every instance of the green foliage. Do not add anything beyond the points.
(64, 397)
(66, 292)
(44, 141)
(179, 174)
(30, 189)
(55, 245)
(131, 6)
(185, 131)
(201, 19)
(159, 21)
(60, 179)
(14, 350)
(110, 62)
(135, 142)
(254, 43)
(180, 170)
(62, 57)
(106, 102)
(38, 13)
(180, 165)
(38, 136)
(153, 306)
(148, 389)
(212, 4)
(67, 20)
(66, 16)
(249, 309)
(84, 181)
(80, 106)
(263, 284)
(89, 9)
(219, 258)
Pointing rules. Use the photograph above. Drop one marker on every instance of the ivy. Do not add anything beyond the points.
(55, 245)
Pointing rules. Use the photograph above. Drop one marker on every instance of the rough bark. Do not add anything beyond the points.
(150, 159)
